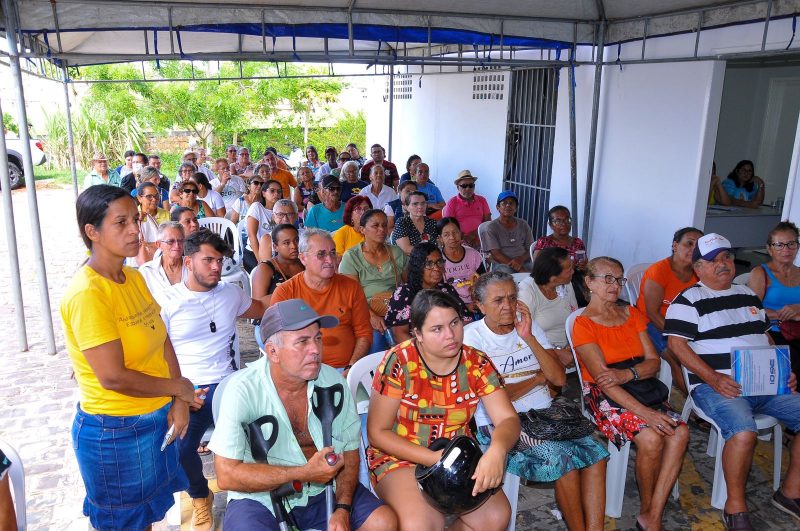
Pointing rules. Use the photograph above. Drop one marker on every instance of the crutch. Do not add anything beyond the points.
(259, 447)
(326, 408)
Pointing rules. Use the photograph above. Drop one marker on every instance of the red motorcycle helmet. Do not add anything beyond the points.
(447, 485)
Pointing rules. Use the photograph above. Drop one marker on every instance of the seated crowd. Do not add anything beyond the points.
(348, 258)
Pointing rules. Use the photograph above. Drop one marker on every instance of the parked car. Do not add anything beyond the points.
(14, 148)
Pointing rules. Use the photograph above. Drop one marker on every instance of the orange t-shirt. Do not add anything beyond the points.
(661, 273)
(345, 300)
(286, 179)
(618, 343)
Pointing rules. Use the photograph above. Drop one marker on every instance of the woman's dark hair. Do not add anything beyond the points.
(548, 264)
(203, 236)
(202, 180)
(351, 205)
(557, 208)
(735, 178)
(129, 153)
(411, 159)
(92, 207)
(278, 228)
(175, 215)
(143, 185)
(406, 184)
(425, 301)
(412, 194)
(189, 165)
(365, 217)
(680, 233)
(416, 263)
(483, 282)
(783, 226)
(444, 222)
(312, 148)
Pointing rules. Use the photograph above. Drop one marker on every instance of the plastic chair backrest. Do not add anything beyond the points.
(483, 250)
(222, 227)
(634, 275)
(570, 322)
(362, 373)
(742, 279)
(17, 476)
(217, 402)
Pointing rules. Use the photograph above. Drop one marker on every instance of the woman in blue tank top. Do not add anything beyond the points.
(777, 283)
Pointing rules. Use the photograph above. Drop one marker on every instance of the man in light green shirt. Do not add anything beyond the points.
(281, 384)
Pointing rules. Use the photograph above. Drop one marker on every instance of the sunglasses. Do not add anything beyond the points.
(190, 190)
(257, 183)
(470, 185)
(150, 196)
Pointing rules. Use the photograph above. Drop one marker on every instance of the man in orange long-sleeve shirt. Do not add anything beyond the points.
(330, 293)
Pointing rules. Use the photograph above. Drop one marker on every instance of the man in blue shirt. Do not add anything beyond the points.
(431, 191)
(329, 214)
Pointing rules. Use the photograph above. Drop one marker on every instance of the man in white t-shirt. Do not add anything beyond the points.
(231, 187)
(200, 315)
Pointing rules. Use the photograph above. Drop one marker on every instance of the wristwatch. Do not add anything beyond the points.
(635, 373)
(345, 506)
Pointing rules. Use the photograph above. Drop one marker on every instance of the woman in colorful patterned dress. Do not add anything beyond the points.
(607, 334)
(426, 388)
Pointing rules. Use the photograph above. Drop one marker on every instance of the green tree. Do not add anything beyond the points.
(10, 123)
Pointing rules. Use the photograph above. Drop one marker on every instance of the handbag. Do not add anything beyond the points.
(648, 391)
(379, 302)
(790, 330)
(560, 422)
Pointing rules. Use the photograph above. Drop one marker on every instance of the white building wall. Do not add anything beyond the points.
(446, 127)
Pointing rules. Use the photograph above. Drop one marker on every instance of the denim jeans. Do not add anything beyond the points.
(129, 481)
(199, 422)
(734, 415)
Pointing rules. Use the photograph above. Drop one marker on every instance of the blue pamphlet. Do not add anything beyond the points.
(762, 370)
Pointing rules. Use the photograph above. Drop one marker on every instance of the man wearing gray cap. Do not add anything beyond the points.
(704, 323)
(281, 384)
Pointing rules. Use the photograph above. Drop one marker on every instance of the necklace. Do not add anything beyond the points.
(211, 325)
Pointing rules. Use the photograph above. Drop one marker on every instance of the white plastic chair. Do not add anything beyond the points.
(363, 372)
(617, 468)
(485, 254)
(634, 275)
(232, 270)
(719, 489)
(742, 279)
(16, 475)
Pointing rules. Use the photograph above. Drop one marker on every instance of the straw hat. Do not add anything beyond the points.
(98, 155)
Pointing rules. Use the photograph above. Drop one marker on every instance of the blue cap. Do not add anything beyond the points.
(505, 194)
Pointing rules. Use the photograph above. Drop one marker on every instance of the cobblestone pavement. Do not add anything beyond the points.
(39, 398)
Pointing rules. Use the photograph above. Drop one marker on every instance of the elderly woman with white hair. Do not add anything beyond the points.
(166, 268)
(351, 183)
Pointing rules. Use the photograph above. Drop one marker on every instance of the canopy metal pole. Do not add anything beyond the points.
(30, 183)
(70, 137)
(11, 239)
(598, 73)
(391, 109)
(573, 152)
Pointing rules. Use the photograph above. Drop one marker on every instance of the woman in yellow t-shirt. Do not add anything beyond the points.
(131, 388)
(348, 235)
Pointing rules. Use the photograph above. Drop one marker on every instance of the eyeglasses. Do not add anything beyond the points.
(781, 245)
(561, 221)
(257, 183)
(321, 255)
(434, 264)
(282, 215)
(190, 190)
(150, 196)
(231, 151)
(610, 279)
(467, 186)
(170, 243)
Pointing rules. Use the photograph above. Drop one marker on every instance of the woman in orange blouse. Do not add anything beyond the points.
(661, 283)
(429, 387)
(608, 334)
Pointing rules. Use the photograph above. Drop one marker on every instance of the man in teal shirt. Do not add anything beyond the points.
(281, 384)
(328, 215)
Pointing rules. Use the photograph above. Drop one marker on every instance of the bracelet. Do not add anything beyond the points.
(344, 506)
(635, 373)
(347, 367)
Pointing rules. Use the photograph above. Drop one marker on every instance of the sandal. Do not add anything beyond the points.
(203, 449)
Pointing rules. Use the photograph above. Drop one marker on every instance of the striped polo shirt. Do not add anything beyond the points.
(716, 321)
